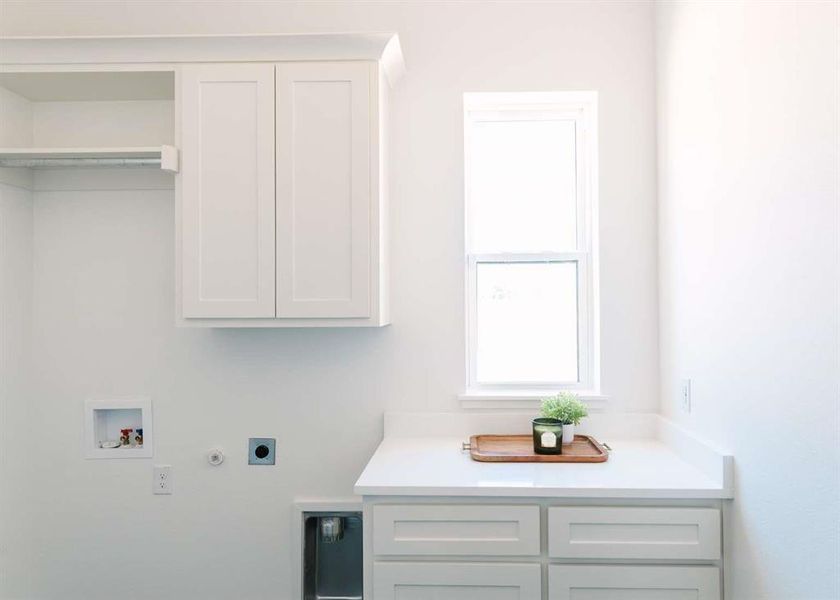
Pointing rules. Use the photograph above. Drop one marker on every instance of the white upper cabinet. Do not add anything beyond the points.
(227, 191)
(324, 146)
(283, 207)
(278, 147)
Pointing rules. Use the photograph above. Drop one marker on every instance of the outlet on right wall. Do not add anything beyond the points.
(748, 160)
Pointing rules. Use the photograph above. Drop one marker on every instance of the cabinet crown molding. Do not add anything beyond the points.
(48, 53)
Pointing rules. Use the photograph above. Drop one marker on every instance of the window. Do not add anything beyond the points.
(531, 190)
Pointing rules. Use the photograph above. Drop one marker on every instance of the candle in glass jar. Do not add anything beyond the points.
(547, 436)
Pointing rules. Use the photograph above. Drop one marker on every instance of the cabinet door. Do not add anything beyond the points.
(227, 190)
(324, 146)
(589, 582)
(456, 581)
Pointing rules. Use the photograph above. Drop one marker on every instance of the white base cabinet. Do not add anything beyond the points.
(469, 549)
(456, 581)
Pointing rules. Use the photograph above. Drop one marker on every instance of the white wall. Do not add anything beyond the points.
(15, 323)
(16, 229)
(748, 215)
(103, 308)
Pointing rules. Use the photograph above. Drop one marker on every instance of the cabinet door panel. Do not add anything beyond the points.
(456, 581)
(324, 147)
(227, 191)
(589, 582)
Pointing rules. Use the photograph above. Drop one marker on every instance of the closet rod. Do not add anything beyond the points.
(80, 162)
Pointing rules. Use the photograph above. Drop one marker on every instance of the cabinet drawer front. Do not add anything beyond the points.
(644, 533)
(587, 582)
(456, 530)
(462, 581)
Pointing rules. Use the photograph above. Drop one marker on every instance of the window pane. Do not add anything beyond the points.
(526, 322)
(522, 186)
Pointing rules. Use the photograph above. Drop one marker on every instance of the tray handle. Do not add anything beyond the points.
(466, 446)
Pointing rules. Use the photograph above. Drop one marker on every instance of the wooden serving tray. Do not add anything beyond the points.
(520, 448)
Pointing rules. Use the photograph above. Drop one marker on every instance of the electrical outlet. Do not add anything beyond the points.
(162, 480)
(685, 395)
(261, 451)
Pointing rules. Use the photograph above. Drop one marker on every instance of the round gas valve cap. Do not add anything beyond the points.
(215, 457)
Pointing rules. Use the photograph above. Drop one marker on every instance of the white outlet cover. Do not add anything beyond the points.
(685, 395)
(162, 480)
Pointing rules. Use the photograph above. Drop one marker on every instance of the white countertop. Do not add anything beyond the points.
(659, 467)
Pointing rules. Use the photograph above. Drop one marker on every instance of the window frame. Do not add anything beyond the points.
(581, 108)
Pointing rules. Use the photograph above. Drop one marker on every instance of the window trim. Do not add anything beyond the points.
(581, 107)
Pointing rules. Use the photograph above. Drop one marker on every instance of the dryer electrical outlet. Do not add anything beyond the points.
(261, 451)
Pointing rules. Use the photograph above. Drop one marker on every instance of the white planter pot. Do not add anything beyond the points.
(568, 434)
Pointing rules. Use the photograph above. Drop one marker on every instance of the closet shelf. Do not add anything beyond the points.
(165, 157)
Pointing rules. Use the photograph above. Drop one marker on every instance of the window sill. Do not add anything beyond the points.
(524, 399)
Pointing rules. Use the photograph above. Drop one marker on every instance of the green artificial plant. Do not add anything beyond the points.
(565, 407)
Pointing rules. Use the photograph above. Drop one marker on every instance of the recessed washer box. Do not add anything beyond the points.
(105, 418)
(261, 451)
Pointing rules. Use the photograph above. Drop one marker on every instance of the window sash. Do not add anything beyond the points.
(583, 191)
(585, 333)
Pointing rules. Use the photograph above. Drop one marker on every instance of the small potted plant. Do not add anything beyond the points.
(566, 408)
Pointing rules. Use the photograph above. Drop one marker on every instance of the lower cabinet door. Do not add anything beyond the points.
(455, 581)
(588, 582)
